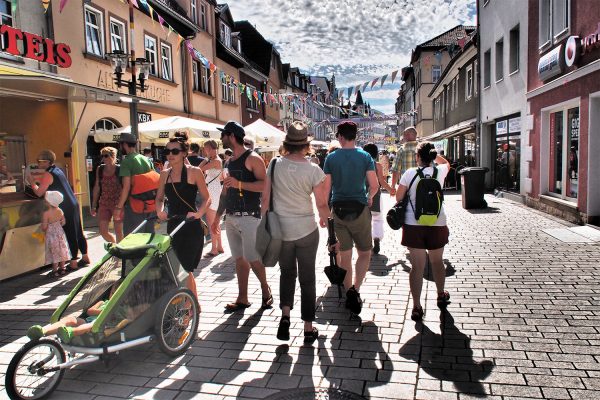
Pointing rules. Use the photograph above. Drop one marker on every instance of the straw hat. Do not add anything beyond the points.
(297, 134)
(54, 198)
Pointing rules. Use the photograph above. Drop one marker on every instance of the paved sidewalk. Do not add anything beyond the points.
(524, 322)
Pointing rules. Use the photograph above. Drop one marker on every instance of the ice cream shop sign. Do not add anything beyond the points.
(34, 47)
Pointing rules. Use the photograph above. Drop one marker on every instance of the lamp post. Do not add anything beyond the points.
(120, 61)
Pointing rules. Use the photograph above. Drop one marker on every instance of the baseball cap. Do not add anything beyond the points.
(234, 128)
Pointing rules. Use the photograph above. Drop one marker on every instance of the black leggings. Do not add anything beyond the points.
(74, 233)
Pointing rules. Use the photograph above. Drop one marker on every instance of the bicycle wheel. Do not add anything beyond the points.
(176, 322)
(32, 372)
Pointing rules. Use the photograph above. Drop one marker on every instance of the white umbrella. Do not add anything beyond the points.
(160, 130)
(264, 134)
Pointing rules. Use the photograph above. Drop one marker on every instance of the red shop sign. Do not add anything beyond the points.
(35, 47)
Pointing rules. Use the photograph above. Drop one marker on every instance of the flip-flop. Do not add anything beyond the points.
(82, 264)
(210, 255)
(233, 307)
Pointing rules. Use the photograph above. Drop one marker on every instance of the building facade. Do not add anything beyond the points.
(564, 109)
(503, 69)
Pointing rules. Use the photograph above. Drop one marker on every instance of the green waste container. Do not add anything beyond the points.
(472, 181)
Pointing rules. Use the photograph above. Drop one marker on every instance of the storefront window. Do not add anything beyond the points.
(508, 154)
(564, 153)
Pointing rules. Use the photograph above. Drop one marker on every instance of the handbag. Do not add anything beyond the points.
(268, 233)
(397, 214)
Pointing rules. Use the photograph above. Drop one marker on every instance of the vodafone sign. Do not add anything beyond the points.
(572, 50)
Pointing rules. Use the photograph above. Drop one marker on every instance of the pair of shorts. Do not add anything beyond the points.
(106, 213)
(425, 237)
(354, 233)
(241, 235)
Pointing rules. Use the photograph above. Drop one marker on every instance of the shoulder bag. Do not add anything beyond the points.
(268, 232)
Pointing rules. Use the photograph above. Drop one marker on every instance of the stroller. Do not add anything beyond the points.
(143, 287)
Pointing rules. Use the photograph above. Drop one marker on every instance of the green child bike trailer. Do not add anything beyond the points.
(142, 285)
(429, 198)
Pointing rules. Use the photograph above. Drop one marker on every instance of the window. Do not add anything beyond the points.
(193, 11)
(436, 72)
(228, 90)
(252, 104)
(225, 34)
(195, 80)
(202, 21)
(6, 17)
(469, 83)
(487, 71)
(166, 61)
(117, 35)
(94, 31)
(270, 98)
(296, 81)
(514, 49)
(475, 81)
(150, 50)
(447, 100)
(455, 92)
(273, 62)
(202, 79)
(499, 60)
(564, 153)
(554, 21)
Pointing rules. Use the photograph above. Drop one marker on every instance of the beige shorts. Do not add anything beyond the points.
(357, 232)
(241, 234)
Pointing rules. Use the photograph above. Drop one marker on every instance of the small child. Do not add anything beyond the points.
(53, 219)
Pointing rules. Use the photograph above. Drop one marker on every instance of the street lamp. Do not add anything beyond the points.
(120, 61)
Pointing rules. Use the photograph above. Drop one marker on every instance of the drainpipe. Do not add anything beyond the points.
(478, 113)
(185, 78)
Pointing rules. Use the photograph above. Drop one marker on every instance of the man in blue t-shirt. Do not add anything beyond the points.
(347, 169)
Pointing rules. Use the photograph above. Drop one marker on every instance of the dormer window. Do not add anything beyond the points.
(225, 34)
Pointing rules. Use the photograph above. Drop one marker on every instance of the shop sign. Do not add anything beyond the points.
(551, 63)
(205, 134)
(144, 117)
(34, 47)
(163, 135)
(501, 128)
(577, 47)
(514, 125)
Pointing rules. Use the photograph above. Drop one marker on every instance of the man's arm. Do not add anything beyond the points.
(257, 166)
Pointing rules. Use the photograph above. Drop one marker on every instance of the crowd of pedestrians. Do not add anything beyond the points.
(199, 184)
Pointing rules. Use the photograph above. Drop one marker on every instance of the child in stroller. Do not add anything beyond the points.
(70, 326)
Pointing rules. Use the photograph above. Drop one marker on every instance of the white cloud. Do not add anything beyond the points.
(356, 40)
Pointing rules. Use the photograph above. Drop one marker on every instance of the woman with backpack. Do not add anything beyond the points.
(107, 190)
(425, 232)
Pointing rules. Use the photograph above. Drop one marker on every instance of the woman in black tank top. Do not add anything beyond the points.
(180, 183)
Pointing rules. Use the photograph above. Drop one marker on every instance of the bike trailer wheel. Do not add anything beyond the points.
(176, 323)
(31, 374)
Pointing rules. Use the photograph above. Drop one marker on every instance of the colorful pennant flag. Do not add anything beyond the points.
(365, 86)
(383, 78)
(134, 2)
(350, 91)
(374, 82)
(249, 93)
(62, 5)
(394, 75)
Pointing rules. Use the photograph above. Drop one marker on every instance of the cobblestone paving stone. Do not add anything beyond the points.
(524, 322)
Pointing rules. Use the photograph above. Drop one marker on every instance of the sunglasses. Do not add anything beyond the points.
(175, 152)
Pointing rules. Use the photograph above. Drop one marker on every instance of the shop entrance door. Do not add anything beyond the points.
(507, 151)
(93, 150)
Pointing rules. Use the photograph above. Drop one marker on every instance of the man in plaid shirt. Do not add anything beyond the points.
(405, 158)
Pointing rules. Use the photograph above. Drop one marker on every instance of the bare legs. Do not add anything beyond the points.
(418, 258)
(67, 321)
(216, 245)
(362, 266)
(106, 235)
(242, 270)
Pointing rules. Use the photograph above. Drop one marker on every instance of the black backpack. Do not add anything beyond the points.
(429, 198)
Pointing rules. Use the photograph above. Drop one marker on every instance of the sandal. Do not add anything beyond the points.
(233, 307)
(82, 264)
(268, 302)
(311, 336)
(283, 332)
(210, 255)
(417, 314)
(443, 300)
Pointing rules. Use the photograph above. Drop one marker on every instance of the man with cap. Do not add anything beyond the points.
(405, 159)
(244, 180)
(132, 164)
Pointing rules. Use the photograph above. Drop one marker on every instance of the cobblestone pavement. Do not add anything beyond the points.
(523, 323)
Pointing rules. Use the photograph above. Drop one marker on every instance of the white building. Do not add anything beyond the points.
(502, 64)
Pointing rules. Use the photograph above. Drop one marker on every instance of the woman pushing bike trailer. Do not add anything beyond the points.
(135, 295)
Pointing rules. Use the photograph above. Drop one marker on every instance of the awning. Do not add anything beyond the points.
(264, 134)
(161, 130)
(458, 129)
(44, 86)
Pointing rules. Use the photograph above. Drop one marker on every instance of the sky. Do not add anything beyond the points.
(357, 40)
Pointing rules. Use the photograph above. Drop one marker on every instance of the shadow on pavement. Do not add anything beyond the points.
(488, 210)
(448, 356)
(13, 287)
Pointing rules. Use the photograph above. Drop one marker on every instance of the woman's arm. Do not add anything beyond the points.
(439, 160)
(265, 198)
(400, 192)
(160, 195)
(203, 190)
(40, 189)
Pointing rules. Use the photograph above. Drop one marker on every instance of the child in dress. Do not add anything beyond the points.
(53, 219)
